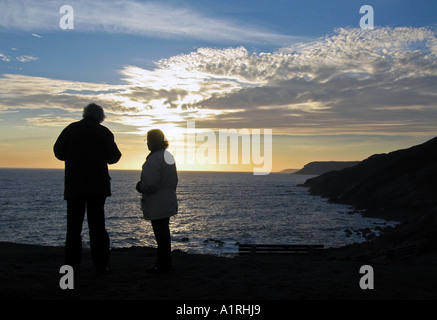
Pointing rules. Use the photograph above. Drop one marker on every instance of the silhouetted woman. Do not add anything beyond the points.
(158, 186)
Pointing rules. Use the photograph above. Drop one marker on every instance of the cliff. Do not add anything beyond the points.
(288, 171)
(400, 185)
(320, 167)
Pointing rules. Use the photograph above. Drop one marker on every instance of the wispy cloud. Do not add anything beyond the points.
(25, 58)
(154, 19)
(29, 92)
(50, 121)
(4, 57)
(354, 81)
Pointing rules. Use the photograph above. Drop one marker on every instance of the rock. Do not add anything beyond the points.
(370, 236)
(365, 231)
(400, 185)
(214, 240)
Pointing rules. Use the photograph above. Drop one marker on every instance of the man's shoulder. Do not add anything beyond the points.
(105, 130)
(90, 124)
(72, 126)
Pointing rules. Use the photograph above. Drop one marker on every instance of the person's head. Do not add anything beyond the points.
(95, 112)
(156, 140)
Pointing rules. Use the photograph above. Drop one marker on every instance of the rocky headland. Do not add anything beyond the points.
(400, 185)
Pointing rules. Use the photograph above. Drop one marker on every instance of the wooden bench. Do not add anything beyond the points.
(276, 249)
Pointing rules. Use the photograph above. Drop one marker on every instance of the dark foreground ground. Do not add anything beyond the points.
(32, 272)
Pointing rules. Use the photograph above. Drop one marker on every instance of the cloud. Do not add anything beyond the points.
(154, 19)
(349, 82)
(353, 81)
(25, 58)
(4, 57)
(29, 92)
(50, 121)
(22, 58)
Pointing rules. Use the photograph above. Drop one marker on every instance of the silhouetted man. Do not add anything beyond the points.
(87, 148)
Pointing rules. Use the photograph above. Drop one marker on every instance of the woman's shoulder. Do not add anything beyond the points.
(153, 157)
(159, 156)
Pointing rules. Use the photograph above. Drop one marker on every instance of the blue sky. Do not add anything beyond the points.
(85, 55)
(328, 89)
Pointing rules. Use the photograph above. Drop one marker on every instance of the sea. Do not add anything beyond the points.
(217, 211)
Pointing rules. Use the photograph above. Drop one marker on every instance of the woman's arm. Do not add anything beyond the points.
(150, 175)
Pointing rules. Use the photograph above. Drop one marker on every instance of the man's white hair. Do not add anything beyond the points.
(95, 112)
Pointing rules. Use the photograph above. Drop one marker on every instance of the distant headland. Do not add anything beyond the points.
(320, 167)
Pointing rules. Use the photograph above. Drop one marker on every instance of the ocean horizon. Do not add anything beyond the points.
(217, 210)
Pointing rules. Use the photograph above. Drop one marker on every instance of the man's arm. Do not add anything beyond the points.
(113, 154)
(60, 147)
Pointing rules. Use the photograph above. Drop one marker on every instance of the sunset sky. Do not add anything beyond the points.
(328, 89)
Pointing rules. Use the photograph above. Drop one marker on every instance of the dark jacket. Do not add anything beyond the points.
(87, 148)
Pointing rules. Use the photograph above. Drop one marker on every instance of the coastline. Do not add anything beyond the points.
(32, 272)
